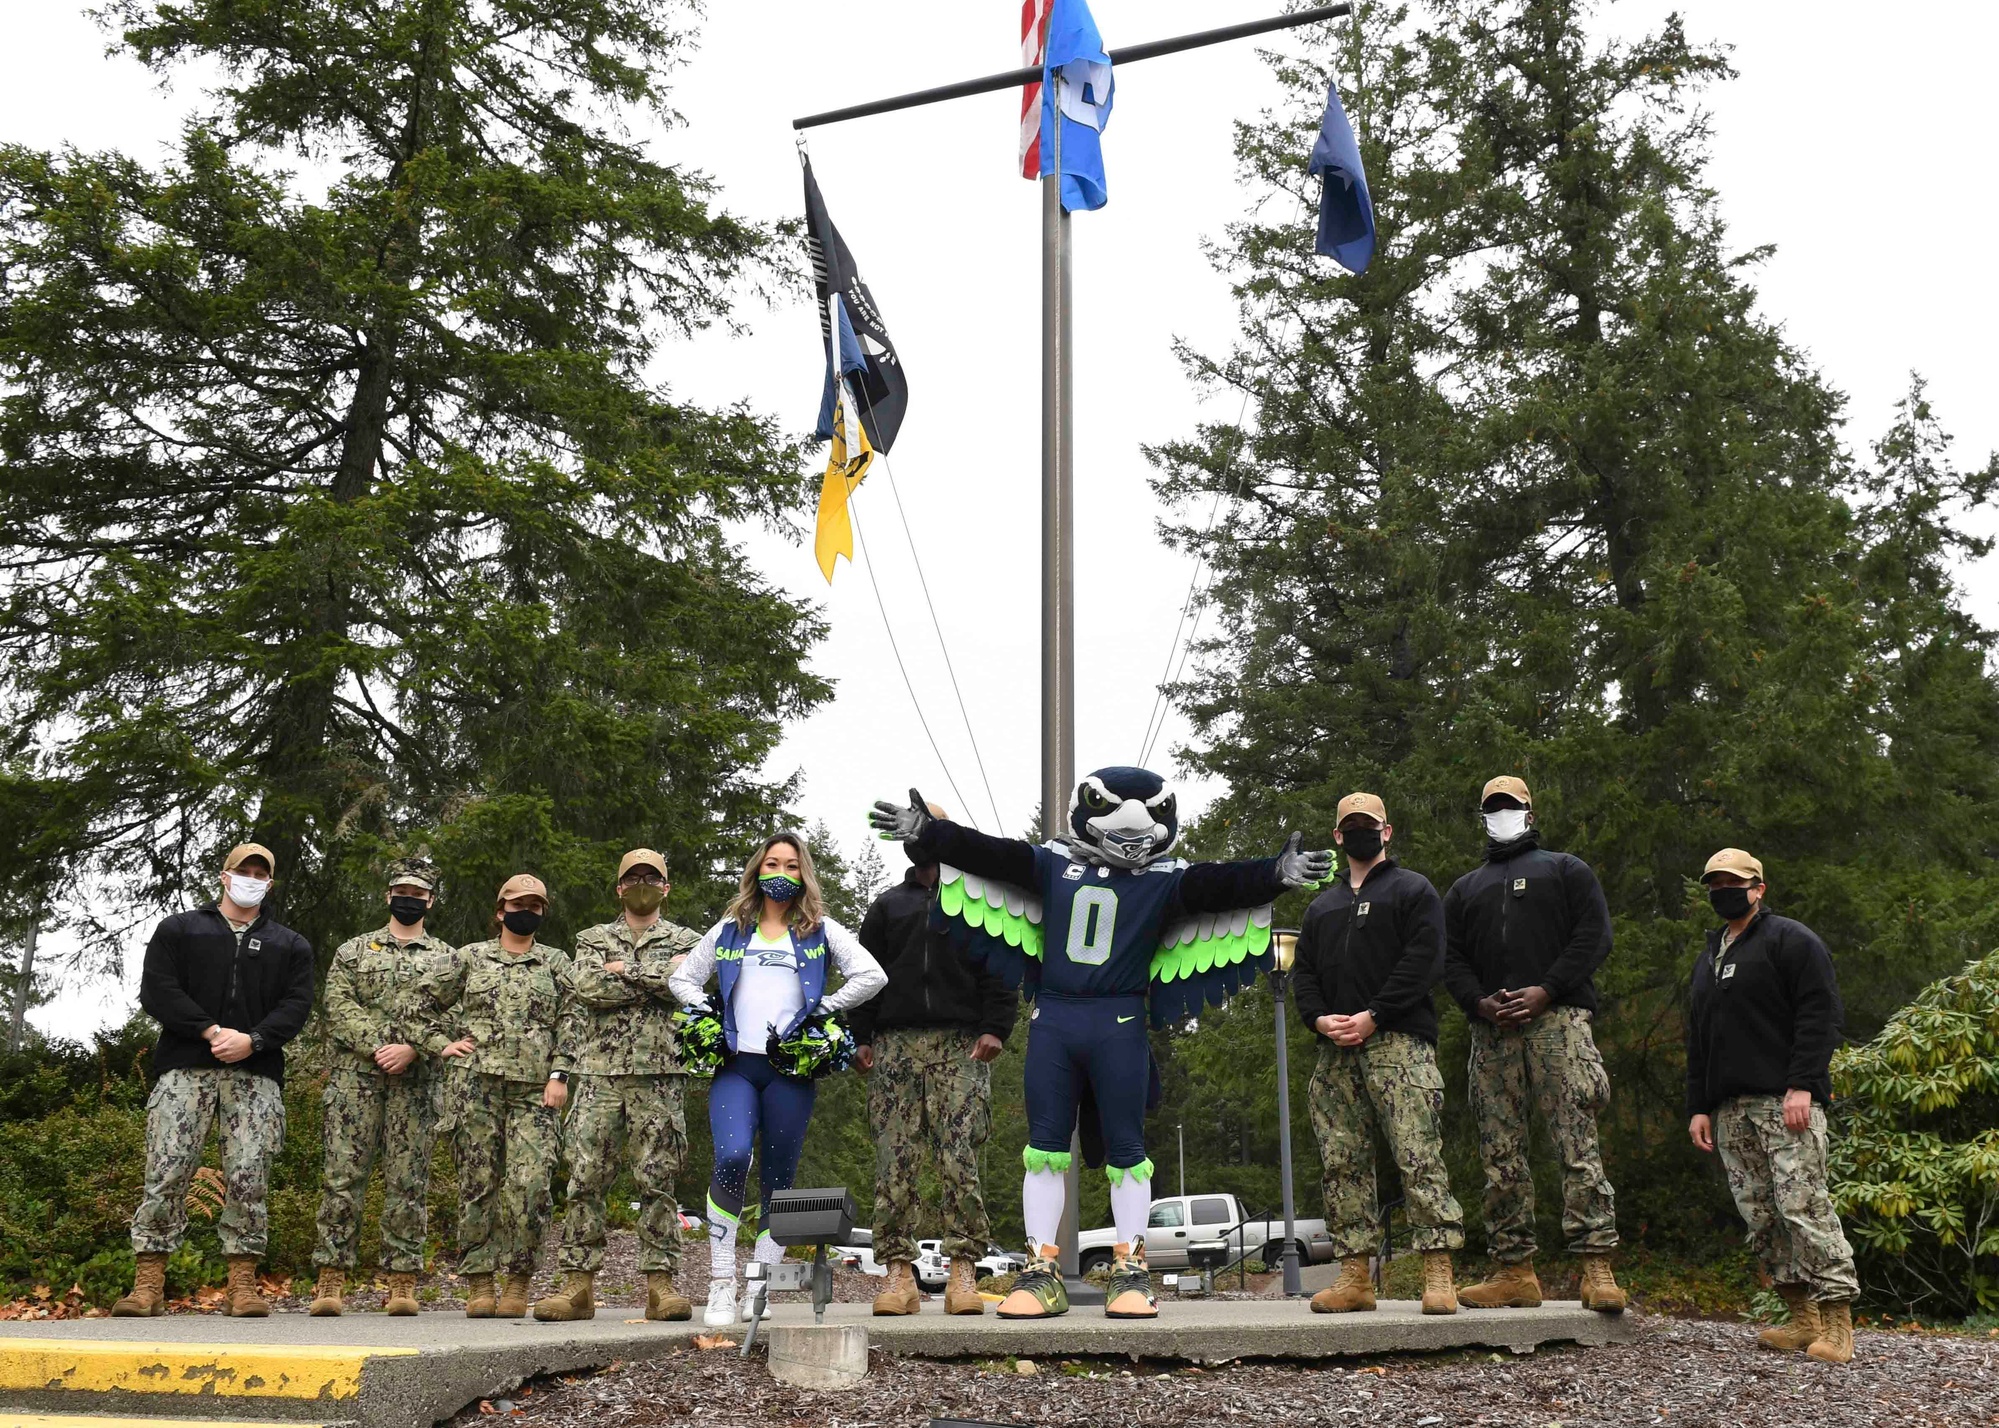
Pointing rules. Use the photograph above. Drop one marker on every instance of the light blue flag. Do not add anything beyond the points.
(844, 359)
(1346, 213)
(1077, 57)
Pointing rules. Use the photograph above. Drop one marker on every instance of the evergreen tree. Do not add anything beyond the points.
(1542, 492)
(341, 508)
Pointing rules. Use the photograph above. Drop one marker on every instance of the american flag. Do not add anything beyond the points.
(1033, 51)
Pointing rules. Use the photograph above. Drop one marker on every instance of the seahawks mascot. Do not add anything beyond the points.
(1127, 918)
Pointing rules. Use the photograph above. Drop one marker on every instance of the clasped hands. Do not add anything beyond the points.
(1346, 1030)
(1507, 1009)
(228, 1046)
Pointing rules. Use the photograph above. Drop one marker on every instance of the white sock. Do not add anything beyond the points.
(1043, 1193)
(1131, 1206)
(768, 1250)
(721, 1247)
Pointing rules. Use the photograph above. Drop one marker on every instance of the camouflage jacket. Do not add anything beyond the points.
(371, 994)
(510, 1006)
(622, 1025)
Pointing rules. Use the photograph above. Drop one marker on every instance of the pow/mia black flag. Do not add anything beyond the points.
(880, 385)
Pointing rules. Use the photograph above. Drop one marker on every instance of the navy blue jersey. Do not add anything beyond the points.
(1100, 926)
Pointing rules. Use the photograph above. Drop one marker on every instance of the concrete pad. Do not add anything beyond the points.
(818, 1355)
(414, 1371)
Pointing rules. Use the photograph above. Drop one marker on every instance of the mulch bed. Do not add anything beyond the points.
(1687, 1373)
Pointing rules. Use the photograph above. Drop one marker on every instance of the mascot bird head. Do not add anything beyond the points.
(1127, 815)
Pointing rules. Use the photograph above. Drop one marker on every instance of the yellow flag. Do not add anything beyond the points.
(846, 468)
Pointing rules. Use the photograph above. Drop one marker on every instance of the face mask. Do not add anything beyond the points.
(779, 888)
(247, 891)
(521, 922)
(643, 898)
(1729, 903)
(1361, 844)
(1505, 824)
(408, 910)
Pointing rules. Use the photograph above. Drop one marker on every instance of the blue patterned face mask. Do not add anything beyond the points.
(780, 888)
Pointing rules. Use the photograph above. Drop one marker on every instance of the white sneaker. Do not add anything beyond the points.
(721, 1310)
(750, 1303)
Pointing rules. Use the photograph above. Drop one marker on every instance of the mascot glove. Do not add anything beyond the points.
(899, 824)
(1300, 869)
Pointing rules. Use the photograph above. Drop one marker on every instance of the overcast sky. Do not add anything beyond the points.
(1857, 140)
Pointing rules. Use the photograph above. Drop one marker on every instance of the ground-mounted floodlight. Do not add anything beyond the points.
(812, 1217)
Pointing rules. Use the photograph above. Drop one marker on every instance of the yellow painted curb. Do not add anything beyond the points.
(98, 1420)
(224, 1370)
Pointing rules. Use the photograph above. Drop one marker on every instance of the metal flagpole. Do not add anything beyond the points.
(1058, 585)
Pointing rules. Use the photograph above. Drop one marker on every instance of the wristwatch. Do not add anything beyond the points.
(256, 1041)
(562, 1076)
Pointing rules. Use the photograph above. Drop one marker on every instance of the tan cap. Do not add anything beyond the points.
(249, 850)
(1733, 860)
(523, 885)
(1362, 803)
(642, 858)
(413, 872)
(1510, 786)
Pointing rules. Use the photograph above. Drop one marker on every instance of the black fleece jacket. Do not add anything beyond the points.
(195, 977)
(930, 984)
(1767, 1020)
(1527, 917)
(1380, 950)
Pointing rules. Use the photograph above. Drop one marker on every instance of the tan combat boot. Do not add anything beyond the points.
(663, 1301)
(575, 1300)
(901, 1296)
(327, 1292)
(1601, 1291)
(1803, 1328)
(402, 1295)
(1353, 1290)
(961, 1295)
(1510, 1286)
(149, 1290)
(1440, 1295)
(513, 1297)
(244, 1300)
(479, 1302)
(1834, 1345)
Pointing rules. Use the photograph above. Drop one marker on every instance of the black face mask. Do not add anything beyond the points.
(521, 922)
(1729, 903)
(408, 911)
(1361, 844)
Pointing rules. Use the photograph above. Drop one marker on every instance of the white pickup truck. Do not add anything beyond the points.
(1181, 1220)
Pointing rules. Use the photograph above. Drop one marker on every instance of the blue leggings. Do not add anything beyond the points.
(1093, 1045)
(750, 1101)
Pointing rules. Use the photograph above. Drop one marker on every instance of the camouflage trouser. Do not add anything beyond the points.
(928, 1103)
(1778, 1178)
(1550, 1064)
(606, 1113)
(1391, 1081)
(369, 1114)
(505, 1142)
(183, 1105)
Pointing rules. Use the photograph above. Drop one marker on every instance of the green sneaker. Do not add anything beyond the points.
(1129, 1294)
(1038, 1293)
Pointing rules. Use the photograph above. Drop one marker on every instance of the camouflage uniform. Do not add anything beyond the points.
(370, 1001)
(1391, 1081)
(1778, 1178)
(504, 1139)
(185, 1102)
(928, 1101)
(617, 1039)
(1552, 1064)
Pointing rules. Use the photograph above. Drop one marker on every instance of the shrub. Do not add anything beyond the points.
(1915, 1166)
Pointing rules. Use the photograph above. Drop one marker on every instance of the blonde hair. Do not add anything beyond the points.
(808, 909)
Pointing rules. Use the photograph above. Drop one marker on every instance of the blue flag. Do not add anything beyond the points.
(1346, 213)
(1076, 57)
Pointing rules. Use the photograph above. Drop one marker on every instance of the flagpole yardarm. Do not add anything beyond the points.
(1031, 74)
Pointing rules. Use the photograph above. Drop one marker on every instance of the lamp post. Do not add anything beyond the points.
(1283, 950)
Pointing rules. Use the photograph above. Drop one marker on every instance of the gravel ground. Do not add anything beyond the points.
(1686, 1373)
